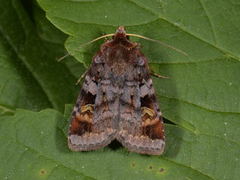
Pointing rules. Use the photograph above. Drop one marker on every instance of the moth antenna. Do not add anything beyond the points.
(63, 57)
(98, 38)
(160, 42)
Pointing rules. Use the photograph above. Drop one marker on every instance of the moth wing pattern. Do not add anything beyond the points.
(141, 126)
(118, 101)
(91, 124)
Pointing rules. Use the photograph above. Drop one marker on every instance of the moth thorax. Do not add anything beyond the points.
(119, 61)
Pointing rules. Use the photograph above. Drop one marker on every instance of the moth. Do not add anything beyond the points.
(117, 101)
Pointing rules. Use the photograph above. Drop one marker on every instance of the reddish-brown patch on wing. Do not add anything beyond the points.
(82, 121)
(152, 125)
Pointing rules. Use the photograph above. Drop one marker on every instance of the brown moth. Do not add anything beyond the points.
(117, 101)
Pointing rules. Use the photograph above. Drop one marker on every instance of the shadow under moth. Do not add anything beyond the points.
(117, 101)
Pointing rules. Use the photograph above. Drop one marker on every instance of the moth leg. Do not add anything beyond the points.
(158, 75)
(81, 77)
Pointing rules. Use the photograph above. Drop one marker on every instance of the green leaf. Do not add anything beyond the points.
(34, 146)
(30, 76)
(201, 97)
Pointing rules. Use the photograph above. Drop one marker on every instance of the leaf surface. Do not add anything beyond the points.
(35, 147)
(201, 97)
(30, 76)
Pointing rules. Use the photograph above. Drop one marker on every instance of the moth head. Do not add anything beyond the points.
(120, 33)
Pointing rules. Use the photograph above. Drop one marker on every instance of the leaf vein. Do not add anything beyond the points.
(190, 167)
(187, 102)
(209, 20)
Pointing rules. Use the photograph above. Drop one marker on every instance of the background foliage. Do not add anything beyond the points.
(201, 98)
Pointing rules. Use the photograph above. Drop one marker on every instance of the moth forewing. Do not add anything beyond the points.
(117, 101)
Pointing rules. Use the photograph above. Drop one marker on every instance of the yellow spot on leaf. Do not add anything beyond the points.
(42, 172)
